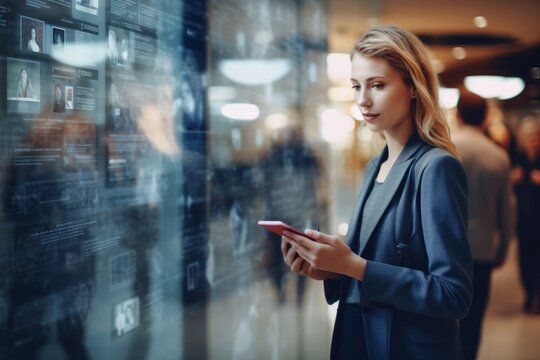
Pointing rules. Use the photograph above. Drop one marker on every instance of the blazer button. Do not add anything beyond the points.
(400, 248)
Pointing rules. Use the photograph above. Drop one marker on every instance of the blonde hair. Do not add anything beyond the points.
(406, 53)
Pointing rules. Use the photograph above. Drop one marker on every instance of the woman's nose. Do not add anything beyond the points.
(362, 100)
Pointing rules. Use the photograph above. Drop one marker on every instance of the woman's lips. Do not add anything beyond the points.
(369, 117)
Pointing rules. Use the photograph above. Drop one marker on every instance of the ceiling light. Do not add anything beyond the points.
(480, 21)
(498, 87)
(81, 54)
(240, 111)
(255, 71)
(448, 97)
(459, 53)
(276, 121)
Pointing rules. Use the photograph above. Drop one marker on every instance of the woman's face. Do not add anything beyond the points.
(33, 33)
(381, 94)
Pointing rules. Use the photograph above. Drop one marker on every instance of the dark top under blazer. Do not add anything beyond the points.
(417, 281)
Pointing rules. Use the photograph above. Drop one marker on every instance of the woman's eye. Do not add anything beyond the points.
(378, 86)
(356, 86)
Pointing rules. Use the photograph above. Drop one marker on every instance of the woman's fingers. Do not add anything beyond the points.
(321, 237)
(304, 270)
(297, 265)
(301, 241)
(284, 246)
(291, 256)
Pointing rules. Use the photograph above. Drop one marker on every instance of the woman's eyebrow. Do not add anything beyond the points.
(371, 78)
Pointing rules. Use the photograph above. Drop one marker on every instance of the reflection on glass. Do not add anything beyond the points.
(129, 207)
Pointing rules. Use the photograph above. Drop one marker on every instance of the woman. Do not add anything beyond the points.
(32, 44)
(403, 277)
(24, 87)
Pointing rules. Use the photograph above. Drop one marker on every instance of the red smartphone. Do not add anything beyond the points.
(279, 226)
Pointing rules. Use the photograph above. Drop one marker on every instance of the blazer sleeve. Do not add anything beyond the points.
(445, 289)
(332, 290)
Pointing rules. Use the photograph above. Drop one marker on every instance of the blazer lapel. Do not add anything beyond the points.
(391, 184)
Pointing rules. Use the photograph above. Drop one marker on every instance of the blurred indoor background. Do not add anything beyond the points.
(142, 140)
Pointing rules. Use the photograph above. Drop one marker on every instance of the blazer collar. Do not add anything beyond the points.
(392, 183)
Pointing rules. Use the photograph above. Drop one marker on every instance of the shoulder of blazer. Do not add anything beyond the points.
(426, 154)
(429, 154)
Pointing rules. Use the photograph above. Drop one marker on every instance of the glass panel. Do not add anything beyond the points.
(131, 192)
(266, 74)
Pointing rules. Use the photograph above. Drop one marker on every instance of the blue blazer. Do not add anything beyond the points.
(418, 278)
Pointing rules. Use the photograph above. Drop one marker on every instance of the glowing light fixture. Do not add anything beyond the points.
(254, 71)
(448, 97)
(338, 67)
(240, 111)
(335, 125)
(276, 121)
(480, 21)
(80, 54)
(459, 53)
(498, 87)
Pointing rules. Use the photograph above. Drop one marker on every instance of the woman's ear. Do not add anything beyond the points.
(413, 93)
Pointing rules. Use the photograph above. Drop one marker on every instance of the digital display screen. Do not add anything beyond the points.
(129, 200)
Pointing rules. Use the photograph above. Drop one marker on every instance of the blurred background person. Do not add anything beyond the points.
(526, 179)
(502, 134)
(491, 212)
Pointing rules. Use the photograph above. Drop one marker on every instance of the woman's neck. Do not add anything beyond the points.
(396, 141)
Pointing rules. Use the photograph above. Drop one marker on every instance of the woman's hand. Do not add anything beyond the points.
(324, 253)
(301, 266)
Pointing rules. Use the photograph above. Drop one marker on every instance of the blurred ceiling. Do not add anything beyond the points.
(509, 44)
